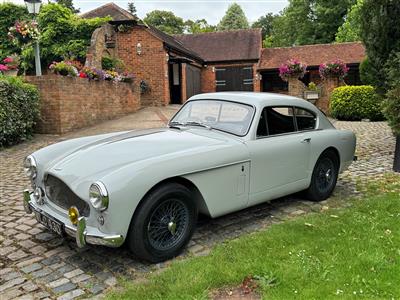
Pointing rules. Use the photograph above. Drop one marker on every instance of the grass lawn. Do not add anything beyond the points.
(344, 253)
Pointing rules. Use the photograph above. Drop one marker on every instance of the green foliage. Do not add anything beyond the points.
(165, 21)
(265, 23)
(392, 103)
(69, 4)
(199, 26)
(366, 72)
(111, 64)
(9, 13)
(19, 109)
(380, 33)
(355, 103)
(234, 18)
(132, 8)
(64, 35)
(312, 86)
(350, 30)
(305, 22)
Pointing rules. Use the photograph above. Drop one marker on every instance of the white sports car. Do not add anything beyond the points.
(222, 152)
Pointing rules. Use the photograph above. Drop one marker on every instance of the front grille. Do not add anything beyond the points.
(60, 194)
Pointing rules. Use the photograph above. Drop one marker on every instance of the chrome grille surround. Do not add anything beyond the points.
(60, 194)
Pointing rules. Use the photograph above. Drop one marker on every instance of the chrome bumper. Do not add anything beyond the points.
(79, 232)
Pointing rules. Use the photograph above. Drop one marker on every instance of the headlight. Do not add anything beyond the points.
(98, 196)
(30, 167)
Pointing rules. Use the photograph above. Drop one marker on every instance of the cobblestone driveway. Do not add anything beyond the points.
(36, 264)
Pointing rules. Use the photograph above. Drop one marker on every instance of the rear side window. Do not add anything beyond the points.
(305, 119)
(280, 120)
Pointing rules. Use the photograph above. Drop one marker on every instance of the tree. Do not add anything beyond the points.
(309, 22)
(265, 23)
(132, 8)
(234, 18)
(9, 13)
(198, 26)
(64, 35)
(392, 103)
(69, 4)
(380, 33)
(350, 31)
(165, 21)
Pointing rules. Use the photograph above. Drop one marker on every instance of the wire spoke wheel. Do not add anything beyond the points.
(325, 175)
(168, 224)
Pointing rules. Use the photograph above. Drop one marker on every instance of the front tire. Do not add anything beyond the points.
(163, 223)
(324, 176)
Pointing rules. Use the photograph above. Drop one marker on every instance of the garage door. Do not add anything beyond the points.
(234, 78)
(193, 81)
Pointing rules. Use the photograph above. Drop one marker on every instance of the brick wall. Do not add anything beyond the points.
(151, 65)
(208, 77)
(70, 103)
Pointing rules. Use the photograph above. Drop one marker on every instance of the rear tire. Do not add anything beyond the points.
(324, 176)
(163, 223)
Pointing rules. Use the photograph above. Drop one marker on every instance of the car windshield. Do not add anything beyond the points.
(226, 116)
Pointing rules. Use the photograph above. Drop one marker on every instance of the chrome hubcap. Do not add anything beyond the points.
(172, 227)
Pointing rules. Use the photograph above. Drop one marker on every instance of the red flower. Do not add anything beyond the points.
(82, 75)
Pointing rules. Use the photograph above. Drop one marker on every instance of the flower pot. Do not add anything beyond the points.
(13, 72)
(311, 95)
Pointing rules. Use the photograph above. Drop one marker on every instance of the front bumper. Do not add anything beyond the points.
(81, 232)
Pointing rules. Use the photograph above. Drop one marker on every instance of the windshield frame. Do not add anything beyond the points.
(221, 100)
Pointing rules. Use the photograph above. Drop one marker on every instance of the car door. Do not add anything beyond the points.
(279, 155)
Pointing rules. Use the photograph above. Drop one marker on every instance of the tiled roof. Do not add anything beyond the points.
(235, 45)
(110, 9)
(174, 43)
(312, 55)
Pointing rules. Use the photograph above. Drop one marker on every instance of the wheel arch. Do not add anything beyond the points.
(335, 151)
(197, 196)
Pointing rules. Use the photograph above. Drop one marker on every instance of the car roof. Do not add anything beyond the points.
(254, 98)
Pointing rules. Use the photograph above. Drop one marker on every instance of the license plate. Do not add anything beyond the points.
(50, 223)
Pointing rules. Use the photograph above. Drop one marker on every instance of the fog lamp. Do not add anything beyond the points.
(73, 214)
(38, 195)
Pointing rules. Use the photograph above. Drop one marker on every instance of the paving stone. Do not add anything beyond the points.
(29, 287)
(111, 281)
(11, 283)
(58, 282)
(29, 261)
(10, 275)
(41, 273)
(73, 273)
(64, 288)
(31, 268)
(71, 295)
(17, 255)
(11, 294)
(80, 278)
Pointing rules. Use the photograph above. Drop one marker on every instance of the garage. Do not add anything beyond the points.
(234, 78)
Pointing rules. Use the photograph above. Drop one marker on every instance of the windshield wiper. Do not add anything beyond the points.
(194, 123)
(175, 124)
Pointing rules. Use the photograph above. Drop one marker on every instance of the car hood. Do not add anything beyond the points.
(98, 158)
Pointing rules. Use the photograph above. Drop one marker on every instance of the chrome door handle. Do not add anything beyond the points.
(307, 140)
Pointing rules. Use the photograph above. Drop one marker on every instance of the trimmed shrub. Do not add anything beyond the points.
(354, 103)
(19, 108)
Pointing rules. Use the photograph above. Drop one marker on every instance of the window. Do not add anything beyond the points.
(222, 115)
(305, 119)
(280, 120)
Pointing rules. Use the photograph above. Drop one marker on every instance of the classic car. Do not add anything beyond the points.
(220, 153)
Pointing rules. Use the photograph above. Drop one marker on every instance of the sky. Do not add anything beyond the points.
(211, 10)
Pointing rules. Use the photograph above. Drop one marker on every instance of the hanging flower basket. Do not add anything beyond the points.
(24, 32)
(293, 68)
(335, 69)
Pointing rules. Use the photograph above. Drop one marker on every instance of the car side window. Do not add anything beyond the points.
(280, 120)
(262, 130)
(305, 119)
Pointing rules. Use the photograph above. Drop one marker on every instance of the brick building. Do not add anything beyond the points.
(176, 67)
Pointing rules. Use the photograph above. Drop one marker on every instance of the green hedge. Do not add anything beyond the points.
(19, 108)
(354, 103)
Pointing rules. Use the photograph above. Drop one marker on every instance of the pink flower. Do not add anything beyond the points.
(3, 67)
(8, 60)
